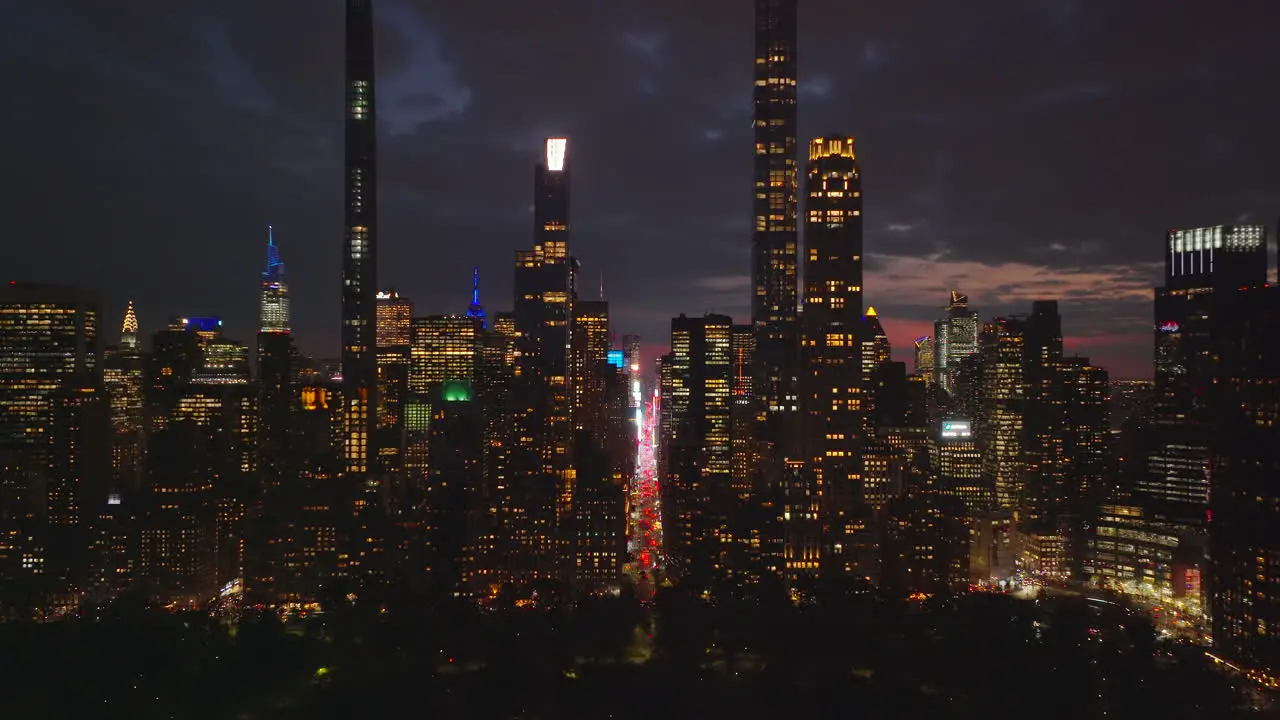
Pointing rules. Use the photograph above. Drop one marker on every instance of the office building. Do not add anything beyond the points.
(955, 337)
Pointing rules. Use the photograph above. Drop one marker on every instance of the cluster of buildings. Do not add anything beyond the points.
(467, 454)
(793, 447)
(487, 455)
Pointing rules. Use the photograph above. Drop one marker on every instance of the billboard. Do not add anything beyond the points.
(955, 429)
(616, 360)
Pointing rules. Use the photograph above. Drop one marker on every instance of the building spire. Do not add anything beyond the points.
(275, 266)
(129, 330)
(273, 310)
(475, 309)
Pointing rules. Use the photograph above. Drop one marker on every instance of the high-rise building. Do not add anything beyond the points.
(543, 462)
(178, 556)
(455, 527)
(1244, 461)
(273, 314)
(393, 337)
(588, 361)
(1002, 410)
(697, 492)
(50, 340)
(955, 465)
(924, 365)
(631, 354)
(443, 349)
(832, 382)
(774, 242)
(955, 337)
(124, 377)
(875, 352)
(360, 256)
(1199, 263)
(272, 510)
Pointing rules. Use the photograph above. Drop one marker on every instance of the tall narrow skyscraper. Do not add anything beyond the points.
(773, 242)
(359, 252)
(273, 314)
(833, 383)
(542, 460)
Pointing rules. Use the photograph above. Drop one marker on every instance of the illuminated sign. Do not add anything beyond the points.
(953, 429)
(555, 153)
(1169, 326)
(615, 359)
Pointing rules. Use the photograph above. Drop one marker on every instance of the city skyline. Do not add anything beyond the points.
(953, 199)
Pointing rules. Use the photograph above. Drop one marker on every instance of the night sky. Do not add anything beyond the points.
(1012, 150)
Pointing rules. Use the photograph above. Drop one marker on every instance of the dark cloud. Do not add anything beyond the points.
(150, 143)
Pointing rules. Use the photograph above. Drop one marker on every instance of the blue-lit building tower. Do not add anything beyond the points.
(475, 310)
(273, 316)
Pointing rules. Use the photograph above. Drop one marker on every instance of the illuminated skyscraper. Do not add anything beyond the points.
(394, 316)
(924, 366)
(274, 312)
(698, 492)
(875, 350)
(1002, 409)
(360, 257)
(443, 349)
(129, 329)
(544, 473)
(590, 350)
(831, 352)
(123, 379)
(955, 338)
(475, 310)
(1199, 264)
(773, 243)
(955, 464)
(49, 341)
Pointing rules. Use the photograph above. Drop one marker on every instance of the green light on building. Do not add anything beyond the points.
(456, 391)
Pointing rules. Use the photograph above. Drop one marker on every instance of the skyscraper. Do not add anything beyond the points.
(543, 468)
(359, 262)
(475, 309)
(955, 338)
(832, 355)
(129, 330)
(773, 242)
(1199, 263)
(273, 314)
(697, 492)
(392, 334)
(924, 358)
(123, 378)
(589, 359)
(1244, 460)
